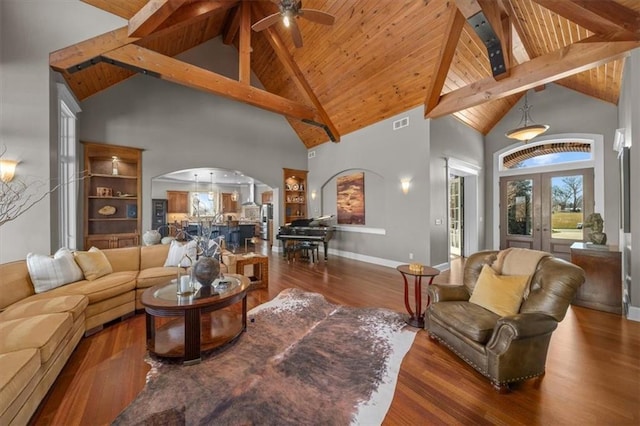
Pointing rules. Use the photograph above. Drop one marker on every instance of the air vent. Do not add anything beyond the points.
(311, 154)
(399, 124)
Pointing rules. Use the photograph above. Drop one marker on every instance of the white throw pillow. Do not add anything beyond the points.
(48, 272)
(177, 252)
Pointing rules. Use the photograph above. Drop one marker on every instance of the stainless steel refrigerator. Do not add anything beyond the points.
(266, 214)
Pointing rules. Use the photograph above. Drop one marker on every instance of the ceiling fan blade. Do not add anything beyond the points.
(295, 34)
(265, 23)
(317, 16)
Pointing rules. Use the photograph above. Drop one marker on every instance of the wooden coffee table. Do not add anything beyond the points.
(198, 323)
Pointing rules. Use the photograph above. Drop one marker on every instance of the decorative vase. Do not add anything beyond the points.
(205, 271)
(151, 237)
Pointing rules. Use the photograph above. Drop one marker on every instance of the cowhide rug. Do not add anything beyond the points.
(302, 361)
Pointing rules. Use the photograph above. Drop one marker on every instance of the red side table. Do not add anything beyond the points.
(416, 319)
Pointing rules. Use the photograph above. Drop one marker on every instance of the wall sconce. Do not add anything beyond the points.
(7, 170)
(405, 185)
(313, 194)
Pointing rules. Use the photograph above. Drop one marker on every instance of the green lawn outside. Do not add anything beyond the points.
(566, 220)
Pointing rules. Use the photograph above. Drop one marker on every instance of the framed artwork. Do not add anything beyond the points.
(351, 199)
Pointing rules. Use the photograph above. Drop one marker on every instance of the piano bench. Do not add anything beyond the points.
(306, 249)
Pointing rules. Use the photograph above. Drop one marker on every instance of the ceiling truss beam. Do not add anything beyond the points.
(155, 64)
(544, 69)
(278, 46)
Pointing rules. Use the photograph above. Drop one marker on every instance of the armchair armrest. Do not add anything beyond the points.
(520, 326)
(444, 293)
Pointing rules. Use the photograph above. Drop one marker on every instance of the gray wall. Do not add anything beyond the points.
(451, 139)
(181, 128)
(565, 111)
(29, 31)
(386, 156)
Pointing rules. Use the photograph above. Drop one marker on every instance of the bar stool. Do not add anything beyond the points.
(234, 234)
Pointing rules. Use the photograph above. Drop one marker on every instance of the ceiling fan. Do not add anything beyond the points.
(290, 10)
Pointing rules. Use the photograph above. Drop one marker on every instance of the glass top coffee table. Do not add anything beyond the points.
(198, 322)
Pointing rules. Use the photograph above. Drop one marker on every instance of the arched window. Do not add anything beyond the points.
(546, 154)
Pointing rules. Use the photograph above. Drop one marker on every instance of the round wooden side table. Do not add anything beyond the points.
(416, 318)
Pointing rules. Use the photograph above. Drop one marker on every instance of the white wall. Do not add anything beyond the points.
(629, 119)
(29, 31)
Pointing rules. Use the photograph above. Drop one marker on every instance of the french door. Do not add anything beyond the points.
(545, 211)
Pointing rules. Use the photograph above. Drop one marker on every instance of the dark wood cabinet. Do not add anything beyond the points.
(295, 194)
(228, 204)
(112, 195)
(602, 289)
(178, 202)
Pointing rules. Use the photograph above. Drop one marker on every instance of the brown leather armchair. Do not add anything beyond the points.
(510, 348)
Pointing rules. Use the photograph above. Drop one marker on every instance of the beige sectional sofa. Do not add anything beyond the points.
(38, 332)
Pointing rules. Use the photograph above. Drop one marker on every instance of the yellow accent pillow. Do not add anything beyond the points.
(501, 294)
(94, 263)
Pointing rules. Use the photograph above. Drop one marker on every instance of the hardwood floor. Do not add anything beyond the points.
(593, 365)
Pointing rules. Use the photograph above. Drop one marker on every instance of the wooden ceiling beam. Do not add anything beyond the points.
(600, 17)
(455, 22)
(244, 49)
(231, 26)
(152, 15)
(87, 53)
(278, 46)
(192, 12)
(148, 62)
(544, 69)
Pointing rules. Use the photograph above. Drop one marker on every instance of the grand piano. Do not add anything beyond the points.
(307, 230)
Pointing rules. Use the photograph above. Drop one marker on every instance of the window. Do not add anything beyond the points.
(67, 169)
(546, 154)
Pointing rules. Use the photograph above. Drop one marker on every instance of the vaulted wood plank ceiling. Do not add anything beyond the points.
(378, 59)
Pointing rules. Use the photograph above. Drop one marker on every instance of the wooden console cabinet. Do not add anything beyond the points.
(602, 289)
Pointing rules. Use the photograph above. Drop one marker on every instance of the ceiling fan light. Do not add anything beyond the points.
(527, 133)
(285, 21)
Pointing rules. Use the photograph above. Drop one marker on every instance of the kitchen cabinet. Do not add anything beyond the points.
(178, 202)
(295, 194)
(112, 195)
(267, 197)
(228, 205)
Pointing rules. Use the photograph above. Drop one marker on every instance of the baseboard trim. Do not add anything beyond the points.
(633, 314)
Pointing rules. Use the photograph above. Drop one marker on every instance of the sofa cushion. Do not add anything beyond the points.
(47, 272)
(177, 252)
(102, 288)
(501, 294)
(153, 256)
(30, 307)
(473, 321)
(154, 276)
(15, 283)
(94, 263)
(18, 368)
(123, 258)
(42, 332)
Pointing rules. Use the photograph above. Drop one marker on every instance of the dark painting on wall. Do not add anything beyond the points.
(351, 199)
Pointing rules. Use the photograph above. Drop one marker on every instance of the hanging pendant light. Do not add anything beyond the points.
(195, 185)
(212, 194)
(525, 131)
